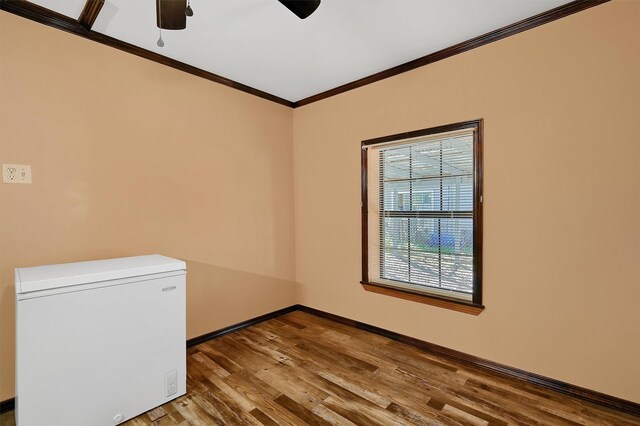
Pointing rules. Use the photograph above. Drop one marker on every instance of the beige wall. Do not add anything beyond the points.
(131, 157)
(562, 199)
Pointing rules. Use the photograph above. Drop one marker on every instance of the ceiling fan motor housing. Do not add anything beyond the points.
(302, 8)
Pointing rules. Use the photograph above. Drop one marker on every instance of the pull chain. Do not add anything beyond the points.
(160, 42)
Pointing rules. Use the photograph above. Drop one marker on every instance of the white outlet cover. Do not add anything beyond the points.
(16, 173)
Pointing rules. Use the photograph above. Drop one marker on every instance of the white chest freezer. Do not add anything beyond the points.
(98, 343)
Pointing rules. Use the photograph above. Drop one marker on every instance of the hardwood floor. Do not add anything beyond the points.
(301, 369)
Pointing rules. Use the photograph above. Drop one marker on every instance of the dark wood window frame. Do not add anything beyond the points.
(473, 307)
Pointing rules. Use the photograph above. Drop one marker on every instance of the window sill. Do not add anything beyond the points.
(439, 301)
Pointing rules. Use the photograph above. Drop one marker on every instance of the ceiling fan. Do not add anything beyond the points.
(172, 14)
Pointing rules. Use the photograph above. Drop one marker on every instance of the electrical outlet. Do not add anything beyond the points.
(16, 173)
(171, 382)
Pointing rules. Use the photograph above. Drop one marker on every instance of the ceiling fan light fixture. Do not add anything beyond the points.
(170, 14)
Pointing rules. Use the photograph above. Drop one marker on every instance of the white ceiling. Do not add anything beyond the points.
(263, 45)
(70, 8)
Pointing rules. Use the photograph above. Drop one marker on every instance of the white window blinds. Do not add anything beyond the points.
(420, 196)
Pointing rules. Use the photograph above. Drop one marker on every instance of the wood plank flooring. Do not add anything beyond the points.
(301, 369)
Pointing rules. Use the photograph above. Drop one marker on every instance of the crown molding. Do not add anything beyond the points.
(53, 19)
(82, 28)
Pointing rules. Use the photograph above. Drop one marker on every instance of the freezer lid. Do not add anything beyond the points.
(69, 274)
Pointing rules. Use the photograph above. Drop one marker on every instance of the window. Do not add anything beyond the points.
(422, 216)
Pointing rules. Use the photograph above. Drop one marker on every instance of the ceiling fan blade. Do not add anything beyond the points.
(170, 14)
(302, 8)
